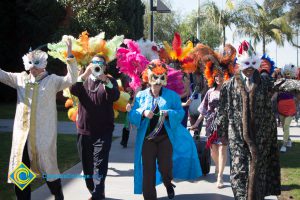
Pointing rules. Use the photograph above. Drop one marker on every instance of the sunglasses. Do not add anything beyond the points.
(34, 63)
(96, 62)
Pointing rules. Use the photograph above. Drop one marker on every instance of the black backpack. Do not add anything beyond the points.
(203, 152)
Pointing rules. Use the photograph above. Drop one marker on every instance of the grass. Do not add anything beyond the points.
(121, 118)
(67, 157)
(8, 112)
(290, 173)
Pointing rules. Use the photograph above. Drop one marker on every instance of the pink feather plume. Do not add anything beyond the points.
(174, 81)
(131, 62)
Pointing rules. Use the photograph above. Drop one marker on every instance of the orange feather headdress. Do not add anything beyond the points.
(85, 48)
(157, 67)
(216, 63)
(177, 55)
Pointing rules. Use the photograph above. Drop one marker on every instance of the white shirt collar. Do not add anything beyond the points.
(244, 77)
(92, 77)
(39, 77)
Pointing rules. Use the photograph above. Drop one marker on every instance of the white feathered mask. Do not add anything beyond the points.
(247, 57)
(289, 70)
(148, 48)
(36, 58)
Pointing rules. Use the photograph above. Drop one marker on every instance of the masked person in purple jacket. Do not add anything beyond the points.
(96, 92)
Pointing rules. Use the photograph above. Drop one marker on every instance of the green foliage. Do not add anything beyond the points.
(266, 24)
(222, 17)
(25, 24)
(294, 12)
(210, 34)
(114, 17)
(36, 21)
(188, 27)
(293, 7)
(165, 24)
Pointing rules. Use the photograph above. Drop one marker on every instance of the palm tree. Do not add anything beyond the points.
(265, 24)
(222, 17)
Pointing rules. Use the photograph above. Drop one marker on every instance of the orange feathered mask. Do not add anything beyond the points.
(155, 73)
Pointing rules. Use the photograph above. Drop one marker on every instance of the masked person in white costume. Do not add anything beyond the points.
(35, 124)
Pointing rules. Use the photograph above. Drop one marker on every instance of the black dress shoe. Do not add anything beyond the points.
(102, 196)
(125, 137)
(170, 191)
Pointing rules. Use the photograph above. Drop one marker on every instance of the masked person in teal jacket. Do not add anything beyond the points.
(164, 148)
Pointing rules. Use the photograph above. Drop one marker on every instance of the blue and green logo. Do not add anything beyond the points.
(22, 176)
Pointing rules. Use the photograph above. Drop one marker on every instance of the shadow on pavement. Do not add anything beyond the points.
(199, 196)
(289, 187)
(121, 172)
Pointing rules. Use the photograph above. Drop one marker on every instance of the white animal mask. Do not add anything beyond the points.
(247, 56)
(289, 70)
(36, 58)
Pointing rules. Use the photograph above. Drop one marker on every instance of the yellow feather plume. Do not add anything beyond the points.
(186, 50)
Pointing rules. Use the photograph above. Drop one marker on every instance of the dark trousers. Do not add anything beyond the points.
(160, 149)
(94, 153)
(26, 193)
(193, 120)
(55, 186)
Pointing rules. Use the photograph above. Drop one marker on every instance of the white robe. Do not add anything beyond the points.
(36, 118)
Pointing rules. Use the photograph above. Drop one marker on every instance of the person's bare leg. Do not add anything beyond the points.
(222, 162)
(215, 157)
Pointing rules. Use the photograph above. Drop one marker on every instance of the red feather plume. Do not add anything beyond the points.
(177, 44)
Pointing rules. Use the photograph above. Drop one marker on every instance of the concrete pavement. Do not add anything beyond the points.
(119, 182)
(6, 125)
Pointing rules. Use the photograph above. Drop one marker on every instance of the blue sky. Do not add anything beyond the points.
(286, 54)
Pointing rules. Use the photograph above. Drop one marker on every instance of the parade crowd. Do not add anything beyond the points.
(168, 92)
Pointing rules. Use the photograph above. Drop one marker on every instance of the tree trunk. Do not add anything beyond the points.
(264, 44)
(224, 36)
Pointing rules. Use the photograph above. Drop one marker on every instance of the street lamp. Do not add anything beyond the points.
(198, 21)
(160, 8)
(297, 47)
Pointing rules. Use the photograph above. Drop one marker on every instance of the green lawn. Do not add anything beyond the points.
(121, 118)
(290, 173)
(8, 112)
(67, 157)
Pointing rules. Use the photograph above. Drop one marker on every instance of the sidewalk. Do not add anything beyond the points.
(6, 125)
(119, 182)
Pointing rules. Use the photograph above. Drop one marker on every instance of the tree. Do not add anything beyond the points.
(265, 24)
(293, 14)
(293, 7)
(114, 17)
(210, 34)
(132, 13)
(165, 24)
(222, 18)
(25, 24)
